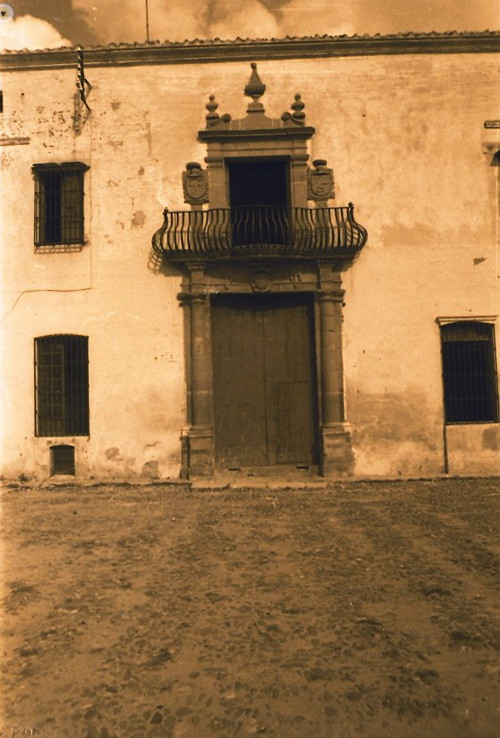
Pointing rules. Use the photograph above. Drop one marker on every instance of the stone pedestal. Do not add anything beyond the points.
(197, 452)
(337, 458)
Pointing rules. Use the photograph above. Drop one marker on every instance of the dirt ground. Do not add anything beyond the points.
(357, 610)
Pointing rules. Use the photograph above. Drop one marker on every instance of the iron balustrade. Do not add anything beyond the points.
(259, 231)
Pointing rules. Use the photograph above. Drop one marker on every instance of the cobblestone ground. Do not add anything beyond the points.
(357, 610)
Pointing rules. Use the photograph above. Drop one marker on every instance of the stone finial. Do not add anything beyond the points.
(298, 109)
(255, 88)
(297, 116)
(212, 115)
(213, 118)
(195, 184)
(320, 184)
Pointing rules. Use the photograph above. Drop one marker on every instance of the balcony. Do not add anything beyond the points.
(259, 232)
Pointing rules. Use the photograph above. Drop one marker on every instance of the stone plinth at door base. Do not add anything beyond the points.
(198, 452)
(197, 444)
(337, 455)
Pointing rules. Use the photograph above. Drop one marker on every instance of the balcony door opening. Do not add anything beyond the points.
(259, 197)
(265, 396)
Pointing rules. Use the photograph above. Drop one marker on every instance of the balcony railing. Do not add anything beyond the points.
(259, 231)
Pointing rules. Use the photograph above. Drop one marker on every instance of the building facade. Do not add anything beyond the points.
(251, 255)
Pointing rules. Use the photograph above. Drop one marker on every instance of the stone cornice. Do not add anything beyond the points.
(199, 51)
(226, 136)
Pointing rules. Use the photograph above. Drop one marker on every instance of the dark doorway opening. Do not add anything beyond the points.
(258, 182)
(265, 398)
(259, 200)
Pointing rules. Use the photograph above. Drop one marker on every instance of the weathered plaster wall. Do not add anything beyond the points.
(107, 291)
(404, 135)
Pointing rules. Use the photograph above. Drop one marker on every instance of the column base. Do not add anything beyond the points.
(337, 458)
(197, 450)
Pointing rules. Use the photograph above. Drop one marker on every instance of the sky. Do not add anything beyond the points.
(39, 24)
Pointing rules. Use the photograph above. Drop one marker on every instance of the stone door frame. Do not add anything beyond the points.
(323, 280)
(257, 136)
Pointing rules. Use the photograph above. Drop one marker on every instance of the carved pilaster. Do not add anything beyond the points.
(337, 456)
(198, 437)
(330, 312)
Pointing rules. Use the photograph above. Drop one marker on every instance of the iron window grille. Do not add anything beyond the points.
(62, 460)
(59, 204)
(61, 386)
(469, 372)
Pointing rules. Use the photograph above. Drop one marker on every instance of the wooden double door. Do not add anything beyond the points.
(264, 378)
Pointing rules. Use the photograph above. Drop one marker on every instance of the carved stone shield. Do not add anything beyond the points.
(195, 184)
(320, 181)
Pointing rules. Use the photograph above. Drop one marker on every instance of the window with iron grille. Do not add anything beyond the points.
(469, 372)
(59, 203)
(62, 460)
(61, 386)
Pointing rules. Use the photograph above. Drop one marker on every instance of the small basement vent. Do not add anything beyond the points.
(62, 460)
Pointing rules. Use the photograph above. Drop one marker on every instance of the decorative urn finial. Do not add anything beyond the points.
(255, 88)
(297, 117)
(212, 115)
(298, 109)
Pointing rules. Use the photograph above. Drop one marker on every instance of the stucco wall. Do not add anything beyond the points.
(404, 135)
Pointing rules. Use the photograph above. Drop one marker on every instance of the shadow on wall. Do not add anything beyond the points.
(157, 265)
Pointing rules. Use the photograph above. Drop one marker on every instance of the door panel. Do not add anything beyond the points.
(293, 423)
(237, 351)
(289, 376)
(264, 380)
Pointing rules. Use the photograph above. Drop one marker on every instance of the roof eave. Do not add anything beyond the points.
(209, 51)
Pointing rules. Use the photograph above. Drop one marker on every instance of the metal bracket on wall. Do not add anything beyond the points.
(83, 88)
